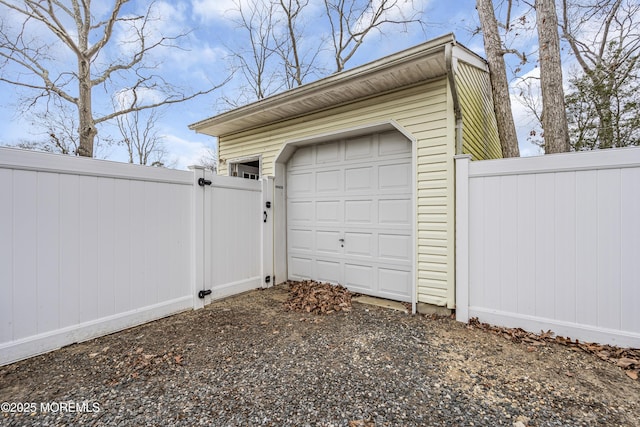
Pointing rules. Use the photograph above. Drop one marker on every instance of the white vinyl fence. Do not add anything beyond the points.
(551, 243)
(90, 247)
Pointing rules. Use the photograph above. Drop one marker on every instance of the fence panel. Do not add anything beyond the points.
(553, 243)
(230, 246)
(88, 247)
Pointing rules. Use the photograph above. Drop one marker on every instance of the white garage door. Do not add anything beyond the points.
(349, 214)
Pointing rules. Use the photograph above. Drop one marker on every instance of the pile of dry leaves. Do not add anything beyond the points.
(626, 358)
(317, 298)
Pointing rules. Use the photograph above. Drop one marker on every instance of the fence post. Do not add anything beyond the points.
(462, 237)
(267, 232)
(198, 264)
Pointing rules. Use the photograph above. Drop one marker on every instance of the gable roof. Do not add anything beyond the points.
(402, 69)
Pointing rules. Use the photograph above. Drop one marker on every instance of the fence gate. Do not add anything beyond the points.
(234, 235)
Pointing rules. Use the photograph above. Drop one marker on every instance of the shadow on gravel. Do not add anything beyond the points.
(247, 360)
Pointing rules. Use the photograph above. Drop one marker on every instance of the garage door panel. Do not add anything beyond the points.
(359, 179)
(300, 240)
(394, 282)
(301, 211)
(301, 268)
(394, 211)
(394, 247)
(328, 153)
(359, 148)
(328, 181)
(393, 143)
(328, 271)
(359, 244)
(358, 211)
(359, 277)
(302, 157)
(328, 242)
(329, 211)
(301, 184)
(395, 177)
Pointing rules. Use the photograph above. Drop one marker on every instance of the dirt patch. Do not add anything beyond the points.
(625, 358)
(247, 360)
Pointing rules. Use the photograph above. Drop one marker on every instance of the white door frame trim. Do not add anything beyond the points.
(290, 146)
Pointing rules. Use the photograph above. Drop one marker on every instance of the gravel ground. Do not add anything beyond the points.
(246, 360)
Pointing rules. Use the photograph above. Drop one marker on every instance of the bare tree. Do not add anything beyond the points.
(77, 33)
(298, 63)
(528, 95)
(254, 59)
(272, 58)
(352, 20)
(210, 160)
(279, 54)
(554, 116)
(604, 37)
(141, 138)
(54, 130)
(495, 52)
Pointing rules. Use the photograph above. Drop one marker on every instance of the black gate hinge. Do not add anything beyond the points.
(204, 293)
(202, 182)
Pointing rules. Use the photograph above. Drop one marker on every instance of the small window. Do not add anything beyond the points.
(249, 169)
(248, 175)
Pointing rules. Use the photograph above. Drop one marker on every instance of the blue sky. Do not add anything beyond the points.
(204, 61)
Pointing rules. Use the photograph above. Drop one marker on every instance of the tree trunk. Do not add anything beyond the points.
(554, 115)
(87, 128)
(499, 83)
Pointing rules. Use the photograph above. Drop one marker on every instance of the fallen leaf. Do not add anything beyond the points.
(626, 362)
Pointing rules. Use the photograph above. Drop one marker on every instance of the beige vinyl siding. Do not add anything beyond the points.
(480, 134)
(426, 113)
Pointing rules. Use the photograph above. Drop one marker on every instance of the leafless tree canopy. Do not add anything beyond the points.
(352, 20)
(80, 54)
(604, 37)
(140, 136)
(282, 54)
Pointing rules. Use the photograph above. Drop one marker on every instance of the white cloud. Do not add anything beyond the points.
(402, 11)
(206, 10)
(125, 97)
(183, 153)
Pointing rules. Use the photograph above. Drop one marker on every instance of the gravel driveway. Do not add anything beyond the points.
(248, 361)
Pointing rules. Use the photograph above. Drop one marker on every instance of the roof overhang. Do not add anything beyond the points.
(409, 67)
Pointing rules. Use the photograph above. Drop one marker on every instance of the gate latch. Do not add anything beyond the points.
(202, 182)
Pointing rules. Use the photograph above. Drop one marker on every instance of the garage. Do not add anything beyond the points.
(362, 167)
(349, 214)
